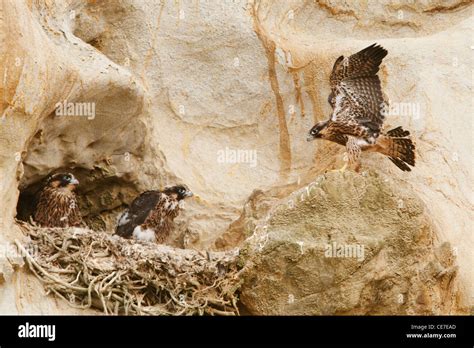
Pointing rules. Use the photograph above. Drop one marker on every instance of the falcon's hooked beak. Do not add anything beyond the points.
(310, 138)
(188, 194)
(74, 181)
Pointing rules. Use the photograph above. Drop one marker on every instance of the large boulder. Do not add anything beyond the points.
(349, 244)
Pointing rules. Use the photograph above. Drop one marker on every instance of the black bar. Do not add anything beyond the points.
(108, 330)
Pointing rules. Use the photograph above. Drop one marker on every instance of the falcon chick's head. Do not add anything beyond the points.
(317, 131)
(66, 180)
(180, 192)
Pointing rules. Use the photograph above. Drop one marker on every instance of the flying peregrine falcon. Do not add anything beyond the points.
(150, 216)
(358, 112)
(57, 204)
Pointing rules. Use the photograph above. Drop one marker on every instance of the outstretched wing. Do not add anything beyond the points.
(137, 213)
(361, 64)
(356, 95)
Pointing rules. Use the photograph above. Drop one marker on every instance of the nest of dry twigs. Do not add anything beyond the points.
(95, 270)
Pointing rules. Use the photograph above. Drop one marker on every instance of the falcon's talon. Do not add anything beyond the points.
(342, 169)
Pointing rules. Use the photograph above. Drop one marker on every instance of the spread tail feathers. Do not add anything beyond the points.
(400, 148)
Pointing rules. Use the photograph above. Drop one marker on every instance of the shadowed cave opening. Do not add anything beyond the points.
(101, 196)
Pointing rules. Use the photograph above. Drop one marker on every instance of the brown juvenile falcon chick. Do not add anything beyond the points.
(57, 204)
(150, 216)
(359, 109)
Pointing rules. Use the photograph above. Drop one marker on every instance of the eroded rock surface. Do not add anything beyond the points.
(349, 244)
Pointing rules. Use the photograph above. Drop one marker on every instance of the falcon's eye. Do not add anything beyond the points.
(313, 131)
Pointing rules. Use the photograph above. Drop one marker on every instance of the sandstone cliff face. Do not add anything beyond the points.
(176, 86)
